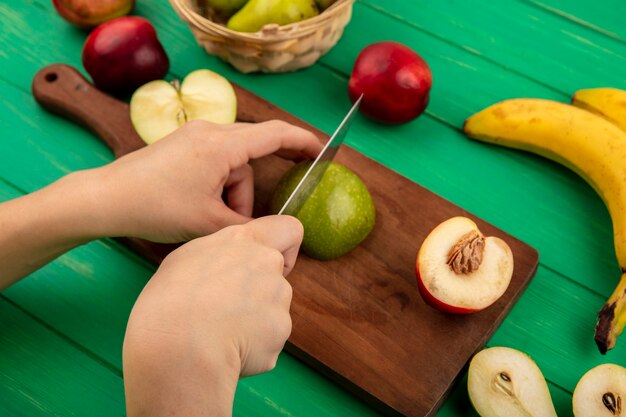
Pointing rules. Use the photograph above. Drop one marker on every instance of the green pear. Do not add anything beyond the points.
(258, 13)
(504, 382)
(337, 216)
(324, 4)
(225, 7)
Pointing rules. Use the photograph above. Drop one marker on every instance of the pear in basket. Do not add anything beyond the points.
(324, 4)
(258, 13)
(223, 7)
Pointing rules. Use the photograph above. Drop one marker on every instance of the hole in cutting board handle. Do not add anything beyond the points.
(51, 77)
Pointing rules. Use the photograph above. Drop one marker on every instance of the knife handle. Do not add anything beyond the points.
(61, 89)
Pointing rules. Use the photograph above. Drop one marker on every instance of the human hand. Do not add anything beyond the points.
(171, 191)
(217, 309)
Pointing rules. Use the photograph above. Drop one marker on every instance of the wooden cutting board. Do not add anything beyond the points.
(358, 319)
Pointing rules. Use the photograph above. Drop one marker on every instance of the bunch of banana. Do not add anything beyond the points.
(589, 138)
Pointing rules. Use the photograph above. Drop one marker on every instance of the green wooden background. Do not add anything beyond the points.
(61, 329)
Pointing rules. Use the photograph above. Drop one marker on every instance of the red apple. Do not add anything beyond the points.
(89, 13)
(461, 271)
(124, 54)
(394, 80)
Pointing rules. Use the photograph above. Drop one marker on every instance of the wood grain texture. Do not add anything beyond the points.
(357, 319)
(32, 356)
(484, 61)
(549, 53)
(605, 18)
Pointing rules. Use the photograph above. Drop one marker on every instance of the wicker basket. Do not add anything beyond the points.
(274, 48)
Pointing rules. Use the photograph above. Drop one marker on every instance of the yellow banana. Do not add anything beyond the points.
(609, 103)
(584, 142)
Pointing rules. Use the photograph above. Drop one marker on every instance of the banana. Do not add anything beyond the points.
(584, 142)
(609, 103)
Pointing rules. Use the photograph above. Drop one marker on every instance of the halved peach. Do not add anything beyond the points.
(461, 271)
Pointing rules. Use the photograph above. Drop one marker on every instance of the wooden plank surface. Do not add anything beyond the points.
(32, 357)
(606, 18)
(526, 196)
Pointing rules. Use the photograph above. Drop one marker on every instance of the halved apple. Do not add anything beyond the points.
(158, 107)
(601, 392)
(506, 382)
(461, 271)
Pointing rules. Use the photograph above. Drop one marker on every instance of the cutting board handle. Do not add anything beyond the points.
(61, 89)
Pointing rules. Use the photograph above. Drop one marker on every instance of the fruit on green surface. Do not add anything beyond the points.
(158, 108)
(601, 392)
(609, 103)
(504, 382)
(324, 4)
(612, 315)
(461, 271)
(225, 7)
(337, 216)
(586, 143)
(394, 80)
(88, 13)
(123, 54)
(258, 13)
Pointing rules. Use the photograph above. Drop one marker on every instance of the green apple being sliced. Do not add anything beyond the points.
(158, 107)
(601, 392)
(504, 382)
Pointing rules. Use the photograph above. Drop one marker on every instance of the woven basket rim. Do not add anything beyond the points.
(270, 33)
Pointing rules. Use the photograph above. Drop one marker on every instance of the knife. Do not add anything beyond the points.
(316, 171)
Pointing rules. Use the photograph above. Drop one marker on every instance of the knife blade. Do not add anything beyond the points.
(316, 171)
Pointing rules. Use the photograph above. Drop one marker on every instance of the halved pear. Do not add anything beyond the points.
(504, 382)
(601, 392)
(461, 271)
(158, 107)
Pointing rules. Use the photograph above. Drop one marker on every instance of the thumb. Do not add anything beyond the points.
(283, 233)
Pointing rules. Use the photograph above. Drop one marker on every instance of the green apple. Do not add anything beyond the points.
(337, 216)
(506, 382)
(158, 107)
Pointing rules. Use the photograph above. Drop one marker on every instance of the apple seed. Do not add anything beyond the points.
(467, 254)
